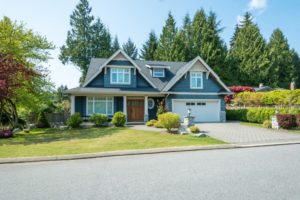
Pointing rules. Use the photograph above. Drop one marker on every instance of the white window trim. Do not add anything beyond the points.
(198, 72)
(159, 76)
(118, 83)
(106, 97)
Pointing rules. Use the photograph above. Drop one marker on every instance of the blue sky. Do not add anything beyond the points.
(135, 19)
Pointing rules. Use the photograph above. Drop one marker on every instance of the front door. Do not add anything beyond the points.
(135, 110)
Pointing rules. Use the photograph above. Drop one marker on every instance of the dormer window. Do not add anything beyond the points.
(196, 80)
(158, 72)
(120, 76)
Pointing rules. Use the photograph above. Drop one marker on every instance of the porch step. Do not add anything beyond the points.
(135, 123)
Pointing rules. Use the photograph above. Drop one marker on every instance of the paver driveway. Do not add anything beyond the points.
(236, 133)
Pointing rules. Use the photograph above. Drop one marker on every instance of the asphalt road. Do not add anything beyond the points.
(253, 173)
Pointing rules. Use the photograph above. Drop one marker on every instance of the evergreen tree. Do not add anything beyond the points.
(198, 32)
(149, 48)
(166, 40)
(187, 38)
(85, 40)
(130, 49)
(101, 40)
(212, 48)
(282, 64)
(233, 38)
(249, 54)
(115, 45)
(179, 47)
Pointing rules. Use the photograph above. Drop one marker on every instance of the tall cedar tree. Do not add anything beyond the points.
(164, 50)
(249, 54)
(86, 39)
(149, 48)
(283, 68)
(130, 49)
(198, 31)
(115, 45)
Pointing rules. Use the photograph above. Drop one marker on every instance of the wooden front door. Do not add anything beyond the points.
(135, 110)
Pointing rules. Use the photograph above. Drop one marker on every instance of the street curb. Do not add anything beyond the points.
(114, 153)
(138, 152)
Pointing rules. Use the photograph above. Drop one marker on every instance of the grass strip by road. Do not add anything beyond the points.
(50, 142)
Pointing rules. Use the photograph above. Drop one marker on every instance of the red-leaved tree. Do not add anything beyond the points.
(237, 89)
(13, 76)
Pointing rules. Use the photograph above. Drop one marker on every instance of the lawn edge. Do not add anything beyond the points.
(138, 152)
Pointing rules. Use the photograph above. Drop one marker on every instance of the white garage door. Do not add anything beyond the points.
(202, 110)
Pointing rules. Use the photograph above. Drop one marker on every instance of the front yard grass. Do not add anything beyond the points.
(49, 142)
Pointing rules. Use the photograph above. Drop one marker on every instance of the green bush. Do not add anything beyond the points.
(119, 119)
(169, 120)
(151, 122)
(267, 124)
(158, 124)
(194, 129)
(98, 119)
(42, 121)
(74, 121)
(257, 115)
(161, 109)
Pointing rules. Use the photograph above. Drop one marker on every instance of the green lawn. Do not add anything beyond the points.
(47, 142)
(261, 126)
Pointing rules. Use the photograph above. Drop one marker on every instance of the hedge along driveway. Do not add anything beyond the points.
(49, 142)
(257, 115)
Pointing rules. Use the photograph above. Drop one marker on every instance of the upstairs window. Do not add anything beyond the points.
(120, 76)
(196, 80)
(158, 72)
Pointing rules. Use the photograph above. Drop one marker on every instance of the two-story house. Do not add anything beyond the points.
(136, 87)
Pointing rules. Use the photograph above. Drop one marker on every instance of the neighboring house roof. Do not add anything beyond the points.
(174, 71)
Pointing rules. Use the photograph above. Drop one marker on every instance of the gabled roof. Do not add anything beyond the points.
(183, 70)
(120, 51)
(173, 73)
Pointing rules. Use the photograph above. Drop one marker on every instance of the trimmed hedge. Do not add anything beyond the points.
(276, 97)
(119, 119)
(257, 115)
(99, 119)
(169, 120)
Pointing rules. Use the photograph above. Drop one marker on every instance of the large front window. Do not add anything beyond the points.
(196, 80)
(120, 76)
(103, 105)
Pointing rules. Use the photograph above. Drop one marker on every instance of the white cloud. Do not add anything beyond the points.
(257, 4)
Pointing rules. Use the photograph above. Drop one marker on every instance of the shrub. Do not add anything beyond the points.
(161, 109)
(42, 121)
(119, 119)
(158, 124)
(297, 120)
(286, 121)
(267, 124)
(169, 120)
(194, 129)
(74, 121)
(98, 119)
(239, 114)
(151, 122)
(6, 133)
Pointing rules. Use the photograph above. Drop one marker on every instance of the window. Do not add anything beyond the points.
(120, 76)
(201, 104)
(196, 80)
(103, 105)
(158, 72)
(151, 103)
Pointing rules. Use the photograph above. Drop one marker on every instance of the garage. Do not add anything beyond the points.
(202, 110)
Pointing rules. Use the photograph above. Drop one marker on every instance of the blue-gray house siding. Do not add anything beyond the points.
(209, 85)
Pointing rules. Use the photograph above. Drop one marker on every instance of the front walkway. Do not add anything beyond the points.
(236, 133)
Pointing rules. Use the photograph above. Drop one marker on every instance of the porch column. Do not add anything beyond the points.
(125, 105)
(72, 104)
(146, 115)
